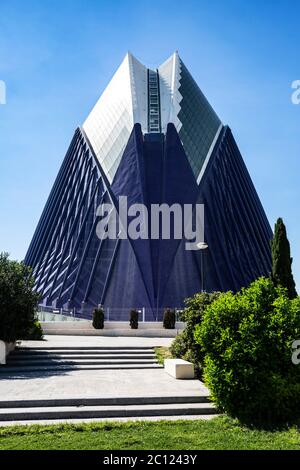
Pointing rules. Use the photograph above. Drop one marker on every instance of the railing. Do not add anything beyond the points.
(110, 314)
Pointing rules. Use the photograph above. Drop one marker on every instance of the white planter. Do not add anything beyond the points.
(5, 349)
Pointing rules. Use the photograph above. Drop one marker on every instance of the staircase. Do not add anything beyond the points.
(168, 400)
(79, 358)
(105, 408)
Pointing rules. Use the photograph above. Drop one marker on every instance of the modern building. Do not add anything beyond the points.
(154, 138)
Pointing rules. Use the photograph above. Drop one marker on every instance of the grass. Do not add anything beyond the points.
(162, 353)
(221, 433)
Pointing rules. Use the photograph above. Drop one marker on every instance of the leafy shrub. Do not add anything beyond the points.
(178, 347)
(98, 319)
(134, 319)
(169, 321)
(18, 301)
(247, 339)
(35, 333)
(184, 345)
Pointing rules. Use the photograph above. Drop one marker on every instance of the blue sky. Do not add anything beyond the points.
(56, 58)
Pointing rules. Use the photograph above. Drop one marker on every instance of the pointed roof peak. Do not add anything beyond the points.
(172, 58)
(131, 57)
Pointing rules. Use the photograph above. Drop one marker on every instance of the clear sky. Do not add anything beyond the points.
(57, 56)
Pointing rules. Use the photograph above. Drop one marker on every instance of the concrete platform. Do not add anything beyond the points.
(77, 342)
(96, 383)
(91, 383)
(111, 329)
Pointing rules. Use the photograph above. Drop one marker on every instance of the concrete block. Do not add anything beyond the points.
(5, 349)
(2, 353)
(179, 369)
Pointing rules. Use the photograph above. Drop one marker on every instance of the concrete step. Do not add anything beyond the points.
(6, 370)
(103, 401)
(82, 361)
(84, 348)
(104, 352)
(72, 357)
(49, 422)
(109, 333)
(84, 412)
(111, 329)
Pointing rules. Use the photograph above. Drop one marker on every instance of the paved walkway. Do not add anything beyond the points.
(96, 383)
(113, 341)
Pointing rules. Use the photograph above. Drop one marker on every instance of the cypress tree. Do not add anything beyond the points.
(281, 260)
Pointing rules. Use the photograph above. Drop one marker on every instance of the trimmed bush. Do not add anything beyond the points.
(98, 319)
(18, 301)
(134, 319)
(247, 341)
(169, 319)
(35, 333)
(178, 347)
(184, 346)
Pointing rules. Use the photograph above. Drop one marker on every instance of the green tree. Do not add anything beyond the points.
(18, 300)
(282, 261)
(247, 341)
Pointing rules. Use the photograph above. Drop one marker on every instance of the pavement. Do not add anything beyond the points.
(101, 341)
(100, 384)
(95, 383)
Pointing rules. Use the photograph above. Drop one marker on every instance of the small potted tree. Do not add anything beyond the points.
(169, 319)
(98, 318)
(134, 319)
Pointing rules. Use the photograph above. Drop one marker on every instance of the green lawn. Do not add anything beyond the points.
(219, 433)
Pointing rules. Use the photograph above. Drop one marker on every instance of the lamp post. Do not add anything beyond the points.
(202, 246)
